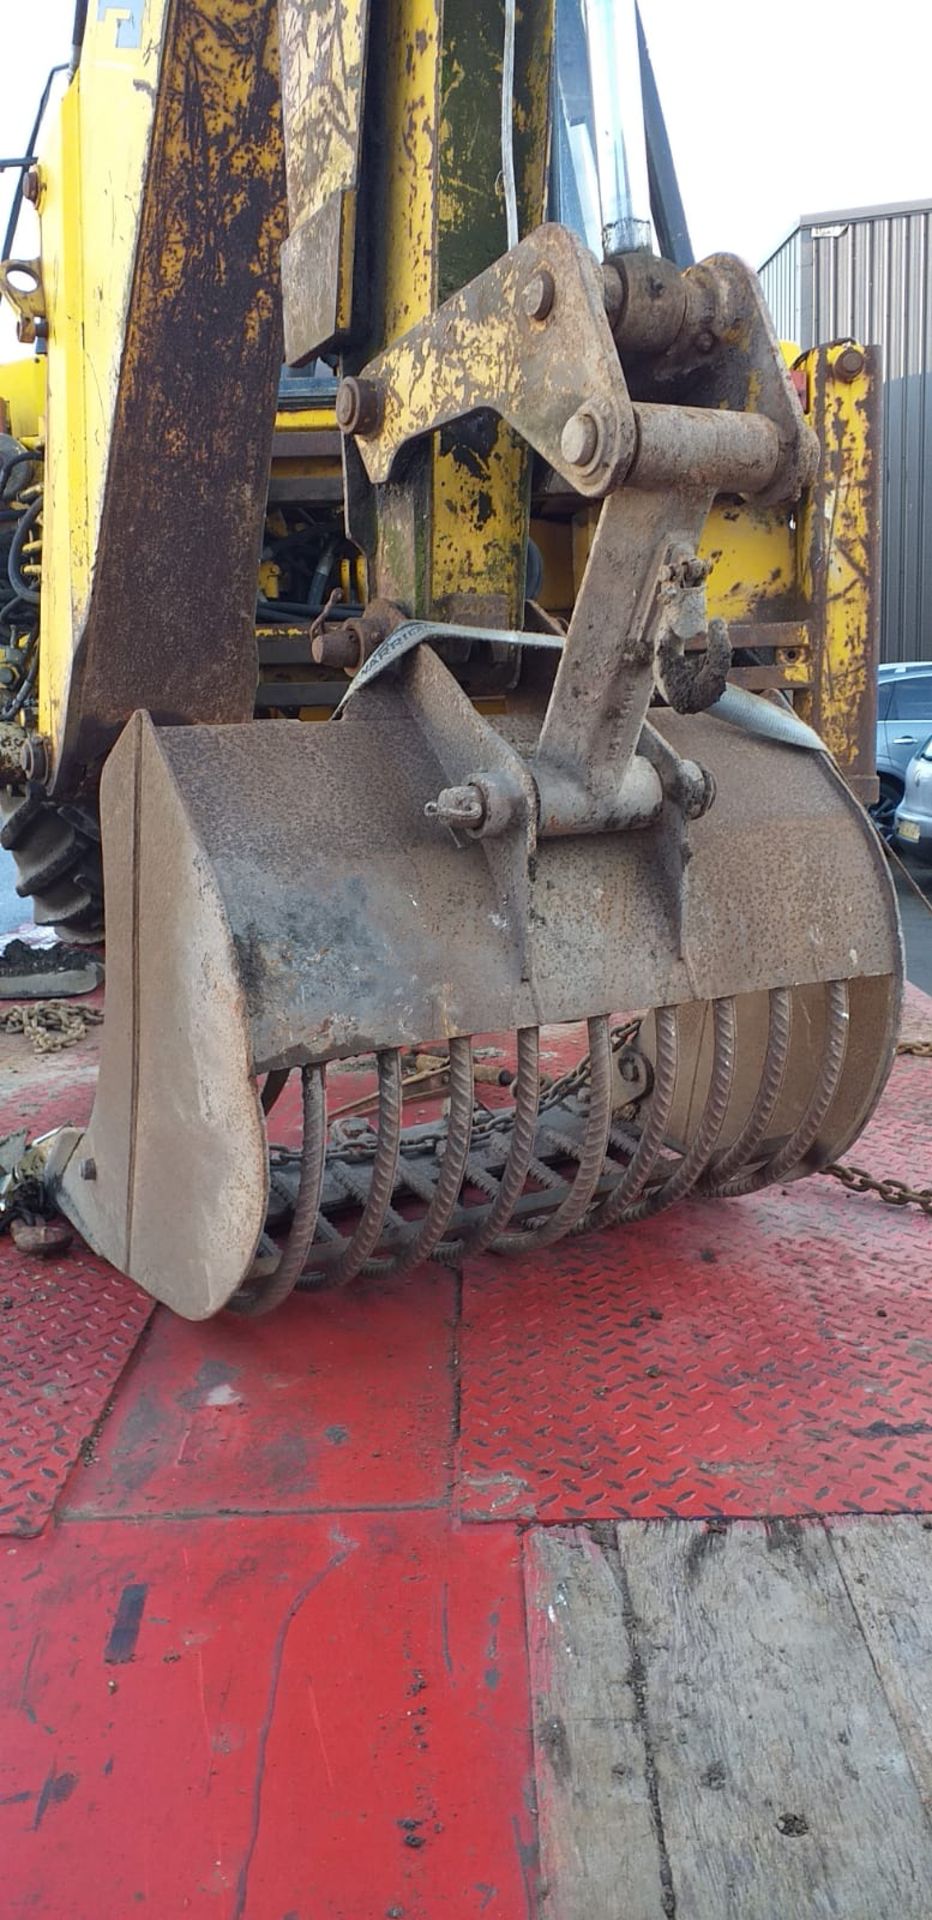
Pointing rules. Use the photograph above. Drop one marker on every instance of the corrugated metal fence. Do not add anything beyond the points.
(867, 274)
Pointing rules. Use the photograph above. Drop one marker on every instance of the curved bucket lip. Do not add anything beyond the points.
(886, 1051)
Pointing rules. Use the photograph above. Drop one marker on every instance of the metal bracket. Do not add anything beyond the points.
(27, 302)
(529, 339)
(590, 770)
(704, 338)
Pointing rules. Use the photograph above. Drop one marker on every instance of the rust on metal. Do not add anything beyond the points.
(481, 350)
(839, 532)
(323, 68)
(189, 454)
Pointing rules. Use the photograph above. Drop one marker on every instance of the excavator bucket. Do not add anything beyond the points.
(633, 840)
(281, 896)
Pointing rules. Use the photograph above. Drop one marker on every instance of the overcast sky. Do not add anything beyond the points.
(772, 111)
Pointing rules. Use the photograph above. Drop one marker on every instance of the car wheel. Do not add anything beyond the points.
(885, 806)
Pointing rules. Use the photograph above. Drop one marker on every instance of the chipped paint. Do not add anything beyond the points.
(839, 571)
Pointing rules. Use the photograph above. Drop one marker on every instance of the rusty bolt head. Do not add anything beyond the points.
(579, 441)
(41, 1236)
(705, 341)
(31, 185)
(87, 1168)
(462, 807)
(850, 363)
(698, 789)
(35, 759)
(537, 295)
(359, 406)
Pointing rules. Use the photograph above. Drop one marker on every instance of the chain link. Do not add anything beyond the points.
(487, 1121)
(49, 1024)
(896, 1193)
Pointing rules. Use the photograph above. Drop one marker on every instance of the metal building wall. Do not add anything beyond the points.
(780, 280)
(867, 274)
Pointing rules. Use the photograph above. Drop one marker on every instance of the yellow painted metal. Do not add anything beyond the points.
(317, 419)
(444, 221)
(323, 61)
(451, 539)
(410, 81)
(89, 207)
(119, 248)
(73, 469)
(480, 501)
(838, 555)
(477, 527)
(554, 542)
(753, 555)
(22, 396)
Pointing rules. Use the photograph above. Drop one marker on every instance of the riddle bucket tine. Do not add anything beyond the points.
(693, 1164)
(338, 1265)
(261, 1295)
(494, 1219)
(725, 1165)
(571, 1211)
(828, 1078)
(420, 1244)
(621, 1203)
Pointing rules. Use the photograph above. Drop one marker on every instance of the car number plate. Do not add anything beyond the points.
(908, 829)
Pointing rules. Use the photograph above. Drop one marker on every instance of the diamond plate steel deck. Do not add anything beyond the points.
(67, 1329)
(68, 1325)
(336, 1402)
(764, 1356)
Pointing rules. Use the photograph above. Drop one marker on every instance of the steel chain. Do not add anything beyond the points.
(896, 1193)
(487, 1121)
(49, 1024)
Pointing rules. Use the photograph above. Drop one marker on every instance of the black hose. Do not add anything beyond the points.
(7, 248)
(271, 610)
(20, 694)
(9, 466)
(19, 585)
(77, 33)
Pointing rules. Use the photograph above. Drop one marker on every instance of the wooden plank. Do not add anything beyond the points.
(712, 1740)
(887, 1568)
(595, 1819)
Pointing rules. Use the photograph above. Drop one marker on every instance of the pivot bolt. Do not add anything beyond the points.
(359, 406)
(537, 295)
(698, 789)
(579, 441)
(35, 759)
(87, 1169)
(31, 185)
(462, 807)
(849, 364)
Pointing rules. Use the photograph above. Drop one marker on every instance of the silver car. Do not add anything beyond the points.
(904, 722)
(912, 821)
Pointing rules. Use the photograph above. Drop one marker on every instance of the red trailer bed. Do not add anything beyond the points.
(352, 1612)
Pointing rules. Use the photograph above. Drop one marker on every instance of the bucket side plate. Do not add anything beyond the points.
(170, 1180)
